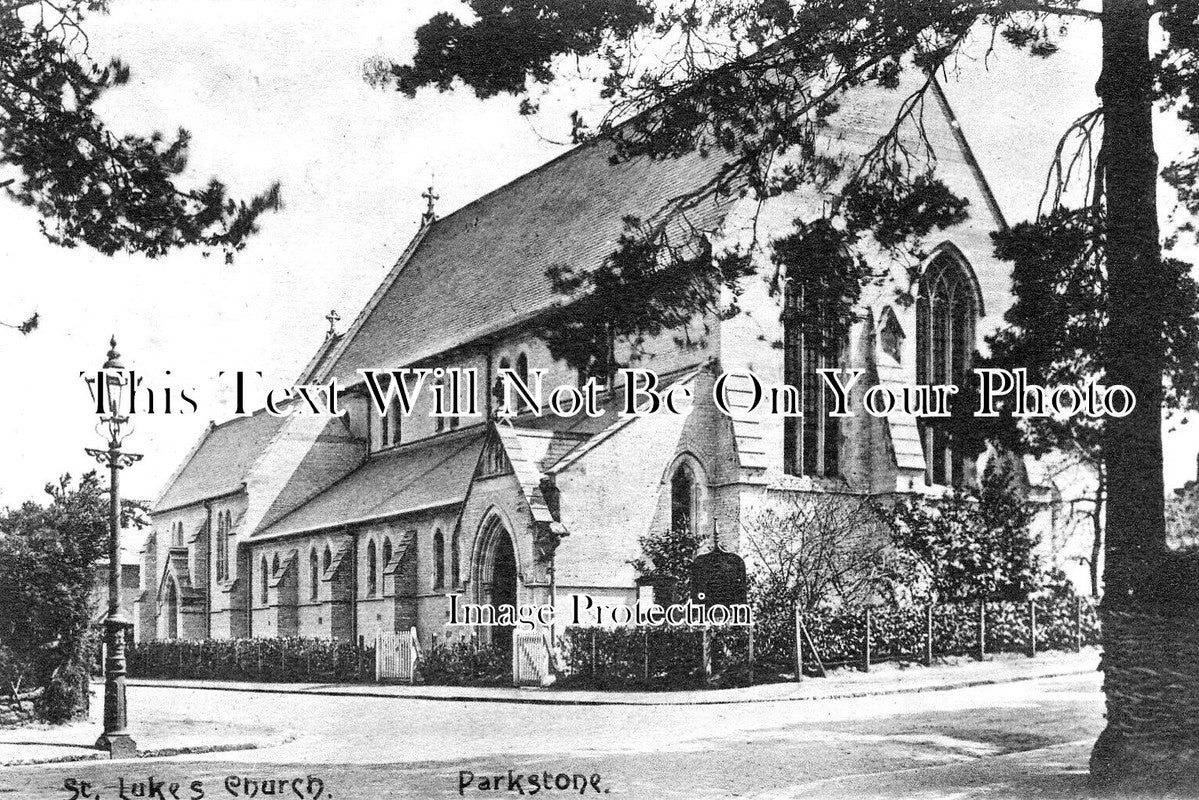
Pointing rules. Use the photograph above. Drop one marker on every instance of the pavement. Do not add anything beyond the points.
(167, 734)
(45, 744)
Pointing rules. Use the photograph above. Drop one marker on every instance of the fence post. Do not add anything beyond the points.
(798, 645)
(928, 635)
(751, 654)
(866, 641)
(1032, 628)
(982, 630)
(707, 653)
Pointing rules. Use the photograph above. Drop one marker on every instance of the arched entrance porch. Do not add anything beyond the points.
(495, 577)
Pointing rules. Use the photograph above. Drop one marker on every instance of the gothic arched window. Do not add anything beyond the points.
(228, 538)
(682, 499)
(266, 582)
(811, 442)
(522, 372)
(455, 573)
(438, 559)
(386, 551)
(314, 575)
(221, 544)
(946, 311)
(500, 391)
(439, 422)
(372, 569)
(328, 558)
(390, 426)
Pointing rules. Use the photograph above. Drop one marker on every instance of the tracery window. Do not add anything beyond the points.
(266, 583)
(314, 575)
(455, 565)
(812, 442)
(946, 312)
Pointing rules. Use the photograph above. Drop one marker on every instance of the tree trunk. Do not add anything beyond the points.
(1150, 644)
(1097, 532)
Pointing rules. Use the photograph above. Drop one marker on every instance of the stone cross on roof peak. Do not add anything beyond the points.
(430, 198)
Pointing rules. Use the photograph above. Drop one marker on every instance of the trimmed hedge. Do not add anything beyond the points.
(464, 662)
(646, 657)
(292, 660)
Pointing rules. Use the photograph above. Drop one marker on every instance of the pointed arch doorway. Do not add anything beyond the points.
(496, 576)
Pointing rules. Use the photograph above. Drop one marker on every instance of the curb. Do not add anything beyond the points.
(160, 752)
(549, 700)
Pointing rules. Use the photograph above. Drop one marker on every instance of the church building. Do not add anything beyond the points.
(338, 527)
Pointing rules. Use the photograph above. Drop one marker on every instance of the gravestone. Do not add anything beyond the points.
(718, 578)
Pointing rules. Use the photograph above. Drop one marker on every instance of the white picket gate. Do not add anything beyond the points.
(396, 655)
(530, 658)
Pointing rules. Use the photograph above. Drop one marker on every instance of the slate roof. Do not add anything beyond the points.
(483, 268)
(410, 478)
(320, 358)
(221, 462)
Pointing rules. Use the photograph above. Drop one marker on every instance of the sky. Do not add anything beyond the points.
(272, 90)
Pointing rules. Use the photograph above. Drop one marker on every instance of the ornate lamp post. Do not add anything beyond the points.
(108, 395)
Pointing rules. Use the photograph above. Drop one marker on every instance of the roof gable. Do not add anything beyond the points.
(221, 462)
(411, 478)
(483, 268)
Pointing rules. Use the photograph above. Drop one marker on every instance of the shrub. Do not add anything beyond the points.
(465, 662)
(290, 660)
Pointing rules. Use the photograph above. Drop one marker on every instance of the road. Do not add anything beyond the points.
(1003, 740)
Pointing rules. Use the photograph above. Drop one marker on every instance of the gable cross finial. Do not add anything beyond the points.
(430, 198)
(333, 318)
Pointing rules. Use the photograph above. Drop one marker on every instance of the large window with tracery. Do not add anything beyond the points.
(946, 311)
(811, 442)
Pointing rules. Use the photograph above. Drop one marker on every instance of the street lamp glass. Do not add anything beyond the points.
(115, 377)
(116, 390)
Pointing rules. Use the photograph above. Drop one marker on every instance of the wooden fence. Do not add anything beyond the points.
(396, 656)
(862, 637)
(531, 658)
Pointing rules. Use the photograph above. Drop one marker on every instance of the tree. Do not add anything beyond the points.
(666, 556)
(975, 543)
(48, 558)
(1055, 331)
(807, 552)
(745, 81)
(90, 186)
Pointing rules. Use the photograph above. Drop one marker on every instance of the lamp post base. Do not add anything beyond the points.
(117, 745)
